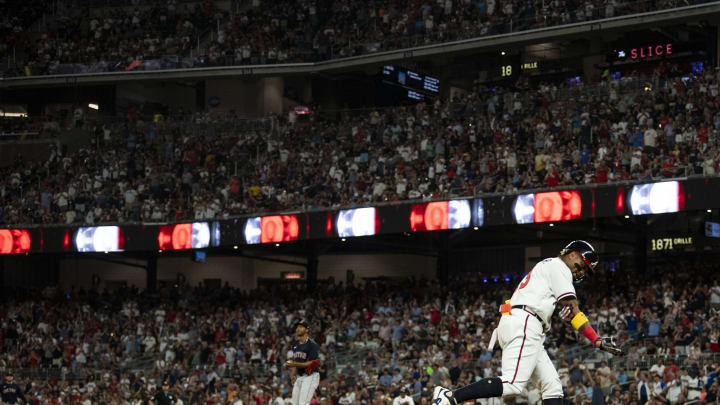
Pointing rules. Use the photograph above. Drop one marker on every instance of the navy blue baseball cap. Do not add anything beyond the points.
(590, 257)
(302, 322)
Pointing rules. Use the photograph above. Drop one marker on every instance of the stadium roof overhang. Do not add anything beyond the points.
(709, 12)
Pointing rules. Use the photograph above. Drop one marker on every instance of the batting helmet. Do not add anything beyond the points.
(590, 257)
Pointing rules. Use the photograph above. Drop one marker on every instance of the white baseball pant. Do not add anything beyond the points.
(304, 388)
(521, 337)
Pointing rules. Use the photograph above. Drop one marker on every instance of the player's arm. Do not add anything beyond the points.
(571, 312)
(293, 374)
(301, 364)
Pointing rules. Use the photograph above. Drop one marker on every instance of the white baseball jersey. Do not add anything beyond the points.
(521, 334)
(548, 282)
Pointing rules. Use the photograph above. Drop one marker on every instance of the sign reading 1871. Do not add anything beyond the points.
(670, 243)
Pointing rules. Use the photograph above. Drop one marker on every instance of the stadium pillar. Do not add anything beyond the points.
(717, 45)
(311, 269)
(640, 252)
(443, 261)
(151, 273)
(200, 95)
(591, 64)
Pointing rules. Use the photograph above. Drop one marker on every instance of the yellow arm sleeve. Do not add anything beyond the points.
(578, 320)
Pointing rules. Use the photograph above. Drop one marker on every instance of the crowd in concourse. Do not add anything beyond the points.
(75, 36)
(378, 340)
(643, 126)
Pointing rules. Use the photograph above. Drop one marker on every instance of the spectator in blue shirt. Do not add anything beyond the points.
(632, 324)
(385, 379)
(622, 376)
(639, 138)
(398, 331)
(585, 155)
(654, 326)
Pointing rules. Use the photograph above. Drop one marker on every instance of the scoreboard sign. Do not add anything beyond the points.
(647, 51)
(670, 243)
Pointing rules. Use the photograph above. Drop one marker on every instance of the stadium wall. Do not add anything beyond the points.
(172, 95)
(248, 96)
(241, 272)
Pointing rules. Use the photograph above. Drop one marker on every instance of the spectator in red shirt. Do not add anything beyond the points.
(670, 372)
(702, 134)
(668, 168)
(552, 177)
(435, 316)
(601, 173)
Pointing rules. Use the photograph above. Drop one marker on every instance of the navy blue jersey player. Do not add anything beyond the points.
(303, 365)
(10, 392)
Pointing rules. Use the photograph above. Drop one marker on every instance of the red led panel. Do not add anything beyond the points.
(195, 235)
(279, 228)
(328, 225)
(121, 239)
(175, 237)
(681, 196)
(557, 206)
(66, 240)
(620, 201)
(182, 237)
(429, 216)
(14, 241)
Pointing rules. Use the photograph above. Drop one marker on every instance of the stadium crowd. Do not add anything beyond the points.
(379, 341)
(172, 34)
(204, 165)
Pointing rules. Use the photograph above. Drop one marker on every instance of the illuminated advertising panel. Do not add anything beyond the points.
(99, 239)
(524, 209)
(195, 235)
(440, 215)
(557, 206)
(479, 208)
(274, 228)
(357, 222)
(656, 198)
(13, 241)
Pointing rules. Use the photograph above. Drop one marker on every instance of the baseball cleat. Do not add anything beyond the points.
(443, 396)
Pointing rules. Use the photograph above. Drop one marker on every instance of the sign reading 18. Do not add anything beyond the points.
(506, 70)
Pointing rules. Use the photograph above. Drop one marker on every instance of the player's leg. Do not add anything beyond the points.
(521, 339)
(548, 380)
(308, 388)
(296, 391)
(520, 352)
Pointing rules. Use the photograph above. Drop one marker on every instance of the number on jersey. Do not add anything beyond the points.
(524, 281)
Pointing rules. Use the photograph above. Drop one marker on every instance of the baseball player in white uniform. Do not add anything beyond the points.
(524, 321)
(304, 365)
